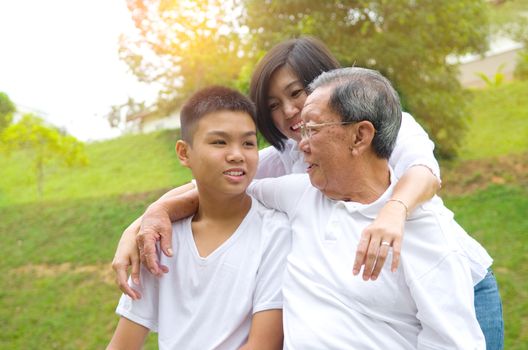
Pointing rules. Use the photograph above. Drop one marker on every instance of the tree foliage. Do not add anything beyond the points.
(408, 41)
(44, 143)
(7, 108)
(183, 45)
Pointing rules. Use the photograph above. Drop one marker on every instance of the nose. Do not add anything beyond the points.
(235, 155)
(304, 145)
(290, 109)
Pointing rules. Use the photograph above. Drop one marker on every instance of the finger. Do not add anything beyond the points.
(152, 264)
(380, 261)
(361, 252)
(166, 240)
(121, 280)
(147, 250)
(134, 260)
(396, 251)
(372, 254)
(163, 268)
(140, 243)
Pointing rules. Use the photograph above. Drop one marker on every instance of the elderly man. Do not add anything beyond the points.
(351, 120)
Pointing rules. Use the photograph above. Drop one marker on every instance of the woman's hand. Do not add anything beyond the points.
(416, 186)
(127, 257)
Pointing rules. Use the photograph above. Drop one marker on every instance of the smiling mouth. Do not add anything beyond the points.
(235, 172)
(296, 126)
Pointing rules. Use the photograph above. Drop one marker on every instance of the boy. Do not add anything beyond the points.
(223, 288)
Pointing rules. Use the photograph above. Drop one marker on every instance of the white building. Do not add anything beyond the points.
(500, 58)
(149, 121)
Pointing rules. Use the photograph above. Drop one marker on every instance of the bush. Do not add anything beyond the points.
(521, 69)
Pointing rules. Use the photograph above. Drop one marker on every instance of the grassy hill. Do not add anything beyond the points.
(499, 123)
(57, 286)
(126, 165)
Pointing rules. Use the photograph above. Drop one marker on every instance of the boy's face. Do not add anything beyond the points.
(223, 156)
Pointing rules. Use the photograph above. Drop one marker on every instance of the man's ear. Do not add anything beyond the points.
(364, 133)
(182, 151)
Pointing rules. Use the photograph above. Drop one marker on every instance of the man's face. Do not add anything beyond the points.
(327, 149)
(223, 156)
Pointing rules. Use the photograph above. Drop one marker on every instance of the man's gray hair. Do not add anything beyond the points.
(364, 94)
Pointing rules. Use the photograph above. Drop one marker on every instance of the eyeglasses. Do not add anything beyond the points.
(307, 129)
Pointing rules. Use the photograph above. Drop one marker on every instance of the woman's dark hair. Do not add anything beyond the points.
(306, 57)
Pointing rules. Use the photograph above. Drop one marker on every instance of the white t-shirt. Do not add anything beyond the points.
(413, 147)
(208, 303)
(426, 304)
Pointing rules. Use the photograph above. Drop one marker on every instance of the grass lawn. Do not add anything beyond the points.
(496, 217)
(499, 124)
(57, 285)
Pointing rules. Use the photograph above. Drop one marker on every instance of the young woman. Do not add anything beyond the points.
(278, 90)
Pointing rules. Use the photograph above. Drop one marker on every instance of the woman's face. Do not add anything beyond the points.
(286, 98)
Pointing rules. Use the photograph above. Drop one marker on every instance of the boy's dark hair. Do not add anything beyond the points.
(209, 100)
(306, 57)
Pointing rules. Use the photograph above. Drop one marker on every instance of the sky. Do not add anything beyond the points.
(59, 59)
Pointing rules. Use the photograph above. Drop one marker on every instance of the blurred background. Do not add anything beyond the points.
(90, 94)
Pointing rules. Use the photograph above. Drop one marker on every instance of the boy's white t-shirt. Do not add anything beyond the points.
(208, 303)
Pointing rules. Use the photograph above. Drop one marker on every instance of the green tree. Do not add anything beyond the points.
(180, 46)
(44, 143)
(183, 45)
(7, 108)
(408, 41)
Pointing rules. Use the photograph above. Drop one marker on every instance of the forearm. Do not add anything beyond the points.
(416, 186)
(177, 191)
(178, 203)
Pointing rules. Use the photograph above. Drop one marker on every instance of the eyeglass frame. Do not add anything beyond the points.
(306, 129)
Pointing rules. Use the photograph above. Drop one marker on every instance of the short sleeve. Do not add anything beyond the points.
(277, 244)
(143, 311)
(282, 193)
(413, 147)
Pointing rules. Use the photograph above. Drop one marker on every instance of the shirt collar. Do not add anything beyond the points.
(371, 210)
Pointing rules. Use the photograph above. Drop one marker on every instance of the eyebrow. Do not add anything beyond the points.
(225, 134)
(288, 86)
(292, 83)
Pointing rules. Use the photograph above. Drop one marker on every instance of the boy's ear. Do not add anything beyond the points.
(182, 151)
